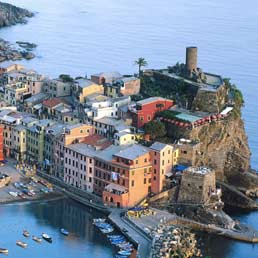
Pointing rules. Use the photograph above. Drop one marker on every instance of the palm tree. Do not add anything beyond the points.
(141, 62)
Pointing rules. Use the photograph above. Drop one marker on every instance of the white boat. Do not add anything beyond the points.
(4, 251)
(47, 237)
(107, 230)
(37, 239)
(98, 220)
(26, 233)
(21, 244)
(14, 194)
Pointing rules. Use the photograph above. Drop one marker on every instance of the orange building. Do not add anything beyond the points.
(1, 142)
(131, 177)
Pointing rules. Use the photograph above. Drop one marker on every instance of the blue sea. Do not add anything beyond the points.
(83, 37)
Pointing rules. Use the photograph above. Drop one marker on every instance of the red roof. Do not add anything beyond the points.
(52, 102)
(97, 141)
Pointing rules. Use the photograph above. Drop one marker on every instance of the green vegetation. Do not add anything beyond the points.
(235, 96)
(156, 129)
(65, 78)
(141, 62)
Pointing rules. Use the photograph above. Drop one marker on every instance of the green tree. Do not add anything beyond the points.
(141, 62)
(156, 129)
(65, 78)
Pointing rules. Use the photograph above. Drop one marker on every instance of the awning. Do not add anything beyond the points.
(226, 110)
(115, 187)
(169, 174)
(38, 106)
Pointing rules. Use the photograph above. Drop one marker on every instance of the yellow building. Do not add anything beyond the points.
(84, 88)
(164, 158)
(124, 138)
(19, 142)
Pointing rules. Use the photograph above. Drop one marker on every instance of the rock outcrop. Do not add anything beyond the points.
(11, 15)
(224, 147)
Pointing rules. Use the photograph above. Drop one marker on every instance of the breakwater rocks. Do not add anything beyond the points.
(171, 242)
(11, 15)
(11, 52)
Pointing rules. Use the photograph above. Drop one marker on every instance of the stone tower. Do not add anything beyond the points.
(197, 186)
(191, 59)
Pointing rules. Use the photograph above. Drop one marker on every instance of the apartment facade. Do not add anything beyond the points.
(145, 110)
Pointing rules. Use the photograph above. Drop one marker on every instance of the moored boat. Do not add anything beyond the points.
(107, 230)
(14, 194)
(21, 244)
(98, 220)
(64, 231)
(26, 233)
(36, 239)
(123, 252)
(4, 251)
(47, 237)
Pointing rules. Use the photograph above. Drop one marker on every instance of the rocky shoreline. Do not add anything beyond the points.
(10, 52)
(11, 15)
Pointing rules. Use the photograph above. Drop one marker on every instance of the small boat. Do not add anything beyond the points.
(22, 195)
(21, 244)
(4, 251)
(98, 220)
(64, 231)
(26, 233)
(107, 230)
(123, 252)
(47, 237)
(37, 239)
(14, 194)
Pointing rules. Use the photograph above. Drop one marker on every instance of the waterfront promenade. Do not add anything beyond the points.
(132, 232)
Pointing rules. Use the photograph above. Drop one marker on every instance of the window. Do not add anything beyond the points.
(132, 183)
(155, 161)
(149, 118)
(154, 178)
(155, 171)
(132, 172)
(145, 160)
(145, 181)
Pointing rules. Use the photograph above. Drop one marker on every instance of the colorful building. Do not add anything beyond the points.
(79, 166)
(131, 177)
(83, 88)
(35, 141)
(72, 134)
(1, 142)
(164, 157)
(145, 110)
(125, 86)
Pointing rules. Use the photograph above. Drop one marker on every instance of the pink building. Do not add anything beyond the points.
(79, 166)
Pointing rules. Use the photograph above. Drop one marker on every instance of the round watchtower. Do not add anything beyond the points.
(191, 59)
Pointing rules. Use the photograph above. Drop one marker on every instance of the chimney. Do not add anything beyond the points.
(191, 59)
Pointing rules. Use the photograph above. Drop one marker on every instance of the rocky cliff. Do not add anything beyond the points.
(224, 147)
(11, 15)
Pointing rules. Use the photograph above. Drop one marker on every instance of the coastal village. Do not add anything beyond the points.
(104, 142)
